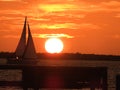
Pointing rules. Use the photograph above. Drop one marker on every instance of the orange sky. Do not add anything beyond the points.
(85, 26)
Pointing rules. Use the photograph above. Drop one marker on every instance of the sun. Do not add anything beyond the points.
(54, 45)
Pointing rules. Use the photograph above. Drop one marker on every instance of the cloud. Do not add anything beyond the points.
(90, 26)
(56, 7)
(10, 14)
(108, 6)
(52, 35)
(58, 26)
(74, 8)
(42, 36)
(111, 3)
(67, 26)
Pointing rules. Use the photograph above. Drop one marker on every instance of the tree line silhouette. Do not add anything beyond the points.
(68, 56)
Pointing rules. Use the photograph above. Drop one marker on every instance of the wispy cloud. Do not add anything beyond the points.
(88, 26)
(58, 26)
(81, 26)
(111, 3)
(52, 35)
(56, 7)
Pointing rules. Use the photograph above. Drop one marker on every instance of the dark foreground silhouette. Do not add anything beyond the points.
(58, 77)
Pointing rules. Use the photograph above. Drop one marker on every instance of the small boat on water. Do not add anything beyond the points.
(25, 52)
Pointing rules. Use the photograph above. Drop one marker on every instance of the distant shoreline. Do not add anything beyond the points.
(69, 56)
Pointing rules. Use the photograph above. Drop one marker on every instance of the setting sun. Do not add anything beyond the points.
(53, 45)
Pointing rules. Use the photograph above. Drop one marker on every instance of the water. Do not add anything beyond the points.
(16, 75)
(10, 88)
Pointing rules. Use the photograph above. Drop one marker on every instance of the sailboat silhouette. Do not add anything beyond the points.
(25, 52)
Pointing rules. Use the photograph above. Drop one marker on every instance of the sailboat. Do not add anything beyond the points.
(25, 52)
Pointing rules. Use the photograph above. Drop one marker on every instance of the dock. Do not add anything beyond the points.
(62, 77)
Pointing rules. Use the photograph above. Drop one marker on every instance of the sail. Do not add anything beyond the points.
(22, 42)
(25, 52)
(30, 52)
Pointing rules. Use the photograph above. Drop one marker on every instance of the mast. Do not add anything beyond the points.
(30, 52)
(22, 42)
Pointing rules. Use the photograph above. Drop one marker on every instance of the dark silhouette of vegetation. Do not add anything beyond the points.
(77, 56)
(5, 54)
(68, 56)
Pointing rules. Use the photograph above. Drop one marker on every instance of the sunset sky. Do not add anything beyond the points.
(84, 26)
